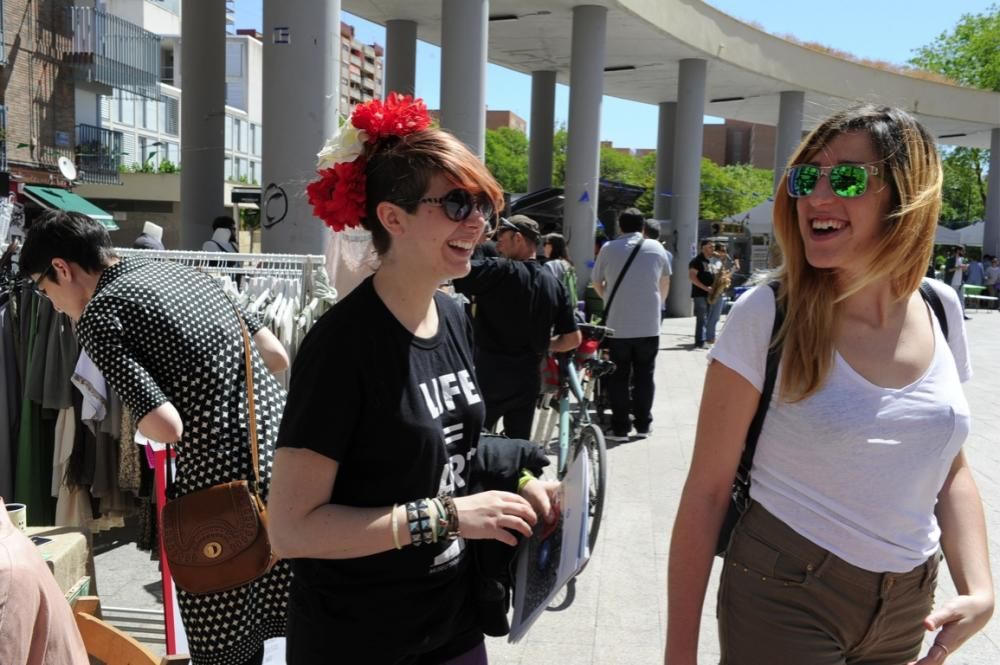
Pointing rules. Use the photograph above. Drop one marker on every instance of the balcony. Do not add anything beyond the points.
(110, 51)
(98, 154)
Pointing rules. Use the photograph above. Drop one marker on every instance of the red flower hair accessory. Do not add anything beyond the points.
(338, 195)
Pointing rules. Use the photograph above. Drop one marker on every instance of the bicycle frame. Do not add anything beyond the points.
(569, 383)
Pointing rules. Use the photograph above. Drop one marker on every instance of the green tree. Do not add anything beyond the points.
(560, 139)
(969, 54)
(645, 177)
(728, 190)
(507, 158)
(964, 190)
(617, 166)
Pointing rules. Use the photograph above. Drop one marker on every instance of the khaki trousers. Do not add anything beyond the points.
(785, 601)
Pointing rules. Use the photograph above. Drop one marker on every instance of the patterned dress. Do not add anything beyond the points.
(163, 332)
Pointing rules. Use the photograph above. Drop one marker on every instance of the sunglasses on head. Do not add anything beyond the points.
(458, 204)
(847, 181)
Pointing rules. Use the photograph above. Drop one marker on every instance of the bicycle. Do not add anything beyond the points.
(577, 372)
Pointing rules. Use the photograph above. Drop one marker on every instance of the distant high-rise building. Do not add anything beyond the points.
(360, 70)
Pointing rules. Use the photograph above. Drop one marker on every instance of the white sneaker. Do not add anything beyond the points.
(619, 438)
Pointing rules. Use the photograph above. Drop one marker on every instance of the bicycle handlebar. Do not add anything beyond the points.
(595, 332)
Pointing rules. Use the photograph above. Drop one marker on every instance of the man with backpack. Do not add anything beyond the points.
(632, 275)
(520, 312)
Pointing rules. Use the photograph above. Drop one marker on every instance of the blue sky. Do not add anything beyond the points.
(887, 30)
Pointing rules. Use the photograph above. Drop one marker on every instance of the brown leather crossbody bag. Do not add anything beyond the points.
(216, 538)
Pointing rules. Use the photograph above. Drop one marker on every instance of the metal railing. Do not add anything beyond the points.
(98, 154)
(112, 51)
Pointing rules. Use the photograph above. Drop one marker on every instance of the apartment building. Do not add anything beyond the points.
(360, 70)
(144, 132)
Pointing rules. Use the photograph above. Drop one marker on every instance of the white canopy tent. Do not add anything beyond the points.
(757, 218)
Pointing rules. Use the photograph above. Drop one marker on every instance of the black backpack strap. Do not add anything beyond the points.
(618, 282)
(770, 376)
(930, 296)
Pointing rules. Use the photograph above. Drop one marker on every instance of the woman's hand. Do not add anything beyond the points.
(542, 495)
(958, 619)
(489, 515)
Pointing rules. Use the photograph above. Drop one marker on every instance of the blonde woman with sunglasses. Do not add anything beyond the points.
(859, 482)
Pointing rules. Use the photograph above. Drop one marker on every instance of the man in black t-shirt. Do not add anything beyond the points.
(520, 313)
(701, 286)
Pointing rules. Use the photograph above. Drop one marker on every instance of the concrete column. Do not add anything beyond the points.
(583, 154)
(687, 179)
(202, 116)
(301, 82)
(991, 234)
(789, 133)
(664, 160)
(464, 39)
(400, 56)
(543, 117)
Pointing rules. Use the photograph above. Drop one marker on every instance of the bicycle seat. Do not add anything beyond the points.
(591, 331)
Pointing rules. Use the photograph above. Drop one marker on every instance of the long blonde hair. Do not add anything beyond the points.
(910, 165)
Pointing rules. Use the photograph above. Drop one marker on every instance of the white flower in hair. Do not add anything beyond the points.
(346, 145)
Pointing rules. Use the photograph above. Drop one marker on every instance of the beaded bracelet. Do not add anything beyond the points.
(418, 520)
(441, 520)
(452, 512)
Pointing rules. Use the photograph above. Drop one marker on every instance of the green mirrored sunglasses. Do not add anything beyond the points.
(847, 181)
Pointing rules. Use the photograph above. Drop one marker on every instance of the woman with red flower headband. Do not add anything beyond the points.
(373, 487)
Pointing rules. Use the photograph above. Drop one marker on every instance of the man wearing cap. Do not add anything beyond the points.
(520, 313)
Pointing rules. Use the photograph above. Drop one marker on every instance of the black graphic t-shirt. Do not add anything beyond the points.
(705, 276)
(402, 416)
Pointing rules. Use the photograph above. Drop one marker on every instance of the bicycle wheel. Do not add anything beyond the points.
(592, 438)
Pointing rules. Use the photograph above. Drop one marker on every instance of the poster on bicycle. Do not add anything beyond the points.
(554, 553)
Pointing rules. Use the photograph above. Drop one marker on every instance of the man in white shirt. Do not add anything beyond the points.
(954, 274)
(635, 317)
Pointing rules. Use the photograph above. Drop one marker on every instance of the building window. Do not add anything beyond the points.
(173, 153)
(242, 170)
(254, 173)
(257, 140)
(167, 66)
(234, 59)
(227, 169)
(239, 137)
(149, 120)
(171, 111)
(229, 135)
(143, 150)
(127, 108)
(161, 115)
(244, 143)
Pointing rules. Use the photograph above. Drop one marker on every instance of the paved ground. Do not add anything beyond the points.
(616, 615)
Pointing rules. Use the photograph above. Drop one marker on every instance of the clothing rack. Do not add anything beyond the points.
(232, 262)
(236, 263)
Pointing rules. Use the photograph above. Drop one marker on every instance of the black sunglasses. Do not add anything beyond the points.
(458, 204)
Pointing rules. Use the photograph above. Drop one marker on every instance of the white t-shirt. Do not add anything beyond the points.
(635, 312)
(956, 277)
(856, 468)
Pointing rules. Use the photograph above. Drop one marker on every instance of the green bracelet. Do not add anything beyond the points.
(526, 477)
